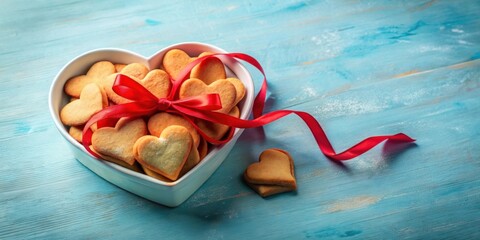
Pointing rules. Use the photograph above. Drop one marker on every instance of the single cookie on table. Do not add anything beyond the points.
(167, 154)
(225, 89)
(268, 190)
(209, 70)
(96, 74)
(274, 173)
(118, 142)
(158, 122)
(77, 112)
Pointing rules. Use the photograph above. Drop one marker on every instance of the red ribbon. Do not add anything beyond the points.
(201, 107)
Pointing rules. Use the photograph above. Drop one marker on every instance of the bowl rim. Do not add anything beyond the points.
(248, 104)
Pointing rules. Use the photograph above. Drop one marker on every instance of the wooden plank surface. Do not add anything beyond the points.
(361, 68)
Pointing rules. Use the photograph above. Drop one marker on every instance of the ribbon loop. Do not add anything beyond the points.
(131, 89)
(206, 102)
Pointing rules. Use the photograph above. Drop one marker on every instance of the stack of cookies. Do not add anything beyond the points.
(164, 145)
(274, 173)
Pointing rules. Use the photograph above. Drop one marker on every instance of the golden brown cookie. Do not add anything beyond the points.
(107, 85)
(268, 190)
(192, 160)
(209, 70)
(239, 87)
(135, 70)
(225, 89)
(78, 112)
(167, 154)
(118, 142)
(155, 81)
(74, 86)
(274, 173)
(158, 122)
(175, 60)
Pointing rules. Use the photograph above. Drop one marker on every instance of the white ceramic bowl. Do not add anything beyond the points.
(167, 193)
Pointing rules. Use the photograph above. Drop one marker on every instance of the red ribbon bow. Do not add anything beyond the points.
(201, 107)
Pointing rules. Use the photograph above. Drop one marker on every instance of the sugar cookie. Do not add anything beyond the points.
(78, 112)
(209, 70)
(175, 60)
(97, 72)
(118, 142)
(274, 173)
(225, 89)
(167, 154)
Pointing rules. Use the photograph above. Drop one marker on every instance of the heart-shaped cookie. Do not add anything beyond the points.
(78, 112)
(192, 160)
(210, 70)
(95, 74)
(135, 70)
(155, 81)
(158, 122)
(167, 154)
(225, 89)
(239, 87)
(118, 142)
(275, 167)
(175, 60)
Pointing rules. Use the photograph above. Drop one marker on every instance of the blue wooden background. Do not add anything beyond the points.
(360, 67)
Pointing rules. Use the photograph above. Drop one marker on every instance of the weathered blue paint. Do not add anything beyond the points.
(360, 67)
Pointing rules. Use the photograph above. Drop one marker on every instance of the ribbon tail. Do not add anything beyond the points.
(368, 144)
(317, 131)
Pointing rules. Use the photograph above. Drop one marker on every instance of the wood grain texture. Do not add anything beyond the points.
(361, 68)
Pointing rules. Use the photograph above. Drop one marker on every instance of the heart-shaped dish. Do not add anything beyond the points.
(167, 193)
